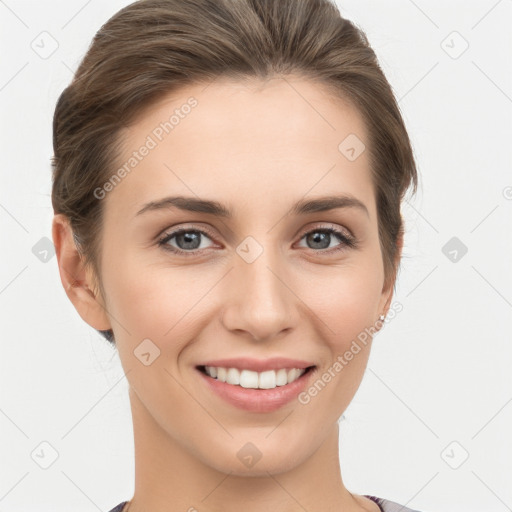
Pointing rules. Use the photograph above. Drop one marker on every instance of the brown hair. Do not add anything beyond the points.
(153, 47)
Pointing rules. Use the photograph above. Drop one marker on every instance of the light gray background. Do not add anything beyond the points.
(438, 383)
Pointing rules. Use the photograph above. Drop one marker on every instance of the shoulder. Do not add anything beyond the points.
(119, 507)
(390, 506)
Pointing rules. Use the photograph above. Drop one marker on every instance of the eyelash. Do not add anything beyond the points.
(346, 242)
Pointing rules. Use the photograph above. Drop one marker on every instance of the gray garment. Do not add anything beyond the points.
(119, 507)
(389, 506)
(385, 505)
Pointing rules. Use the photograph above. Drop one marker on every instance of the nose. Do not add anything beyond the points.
(260, 300)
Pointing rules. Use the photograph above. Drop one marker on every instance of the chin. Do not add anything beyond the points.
(255, 459)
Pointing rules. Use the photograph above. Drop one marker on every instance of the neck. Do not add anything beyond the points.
(169, 478)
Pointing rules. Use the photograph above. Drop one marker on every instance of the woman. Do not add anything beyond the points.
(227, 186)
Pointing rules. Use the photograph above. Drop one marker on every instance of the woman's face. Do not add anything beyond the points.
(263, 282)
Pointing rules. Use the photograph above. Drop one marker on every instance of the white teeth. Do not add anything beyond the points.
(248, 379)
(233, 376)
(267, 380)
(255, 380)
(221, 374)
(282, 377)
(293, 374)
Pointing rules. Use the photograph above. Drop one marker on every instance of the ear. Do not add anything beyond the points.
(387, 291)
(78, 281)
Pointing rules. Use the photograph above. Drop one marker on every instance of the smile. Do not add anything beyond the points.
(255, 391)
(249, 379)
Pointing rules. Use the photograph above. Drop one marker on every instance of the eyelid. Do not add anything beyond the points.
(328, 226)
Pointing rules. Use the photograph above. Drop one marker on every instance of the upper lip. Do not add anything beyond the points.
(258, 365)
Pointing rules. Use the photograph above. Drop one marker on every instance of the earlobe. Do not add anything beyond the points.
(77, 280)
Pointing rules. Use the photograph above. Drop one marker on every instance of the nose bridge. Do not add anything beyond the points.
(260, 301)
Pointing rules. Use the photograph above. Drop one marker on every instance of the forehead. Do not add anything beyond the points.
(233, 141)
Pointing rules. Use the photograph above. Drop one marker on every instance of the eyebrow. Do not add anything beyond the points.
(303, 207)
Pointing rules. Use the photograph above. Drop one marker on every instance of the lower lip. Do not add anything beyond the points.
(257, 400)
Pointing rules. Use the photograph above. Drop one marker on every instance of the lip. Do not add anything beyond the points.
(259, 365)
(257, 400)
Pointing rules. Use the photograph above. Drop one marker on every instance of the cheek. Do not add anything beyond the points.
(346, 310)
(152, 301)
(346, 300)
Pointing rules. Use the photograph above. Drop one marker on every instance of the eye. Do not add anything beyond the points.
(188, 241)
(321, 238)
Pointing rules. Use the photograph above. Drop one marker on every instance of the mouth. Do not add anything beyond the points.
(261, 392)
(250, 379)
(255, 385)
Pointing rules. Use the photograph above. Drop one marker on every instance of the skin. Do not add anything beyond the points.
(256, 148)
